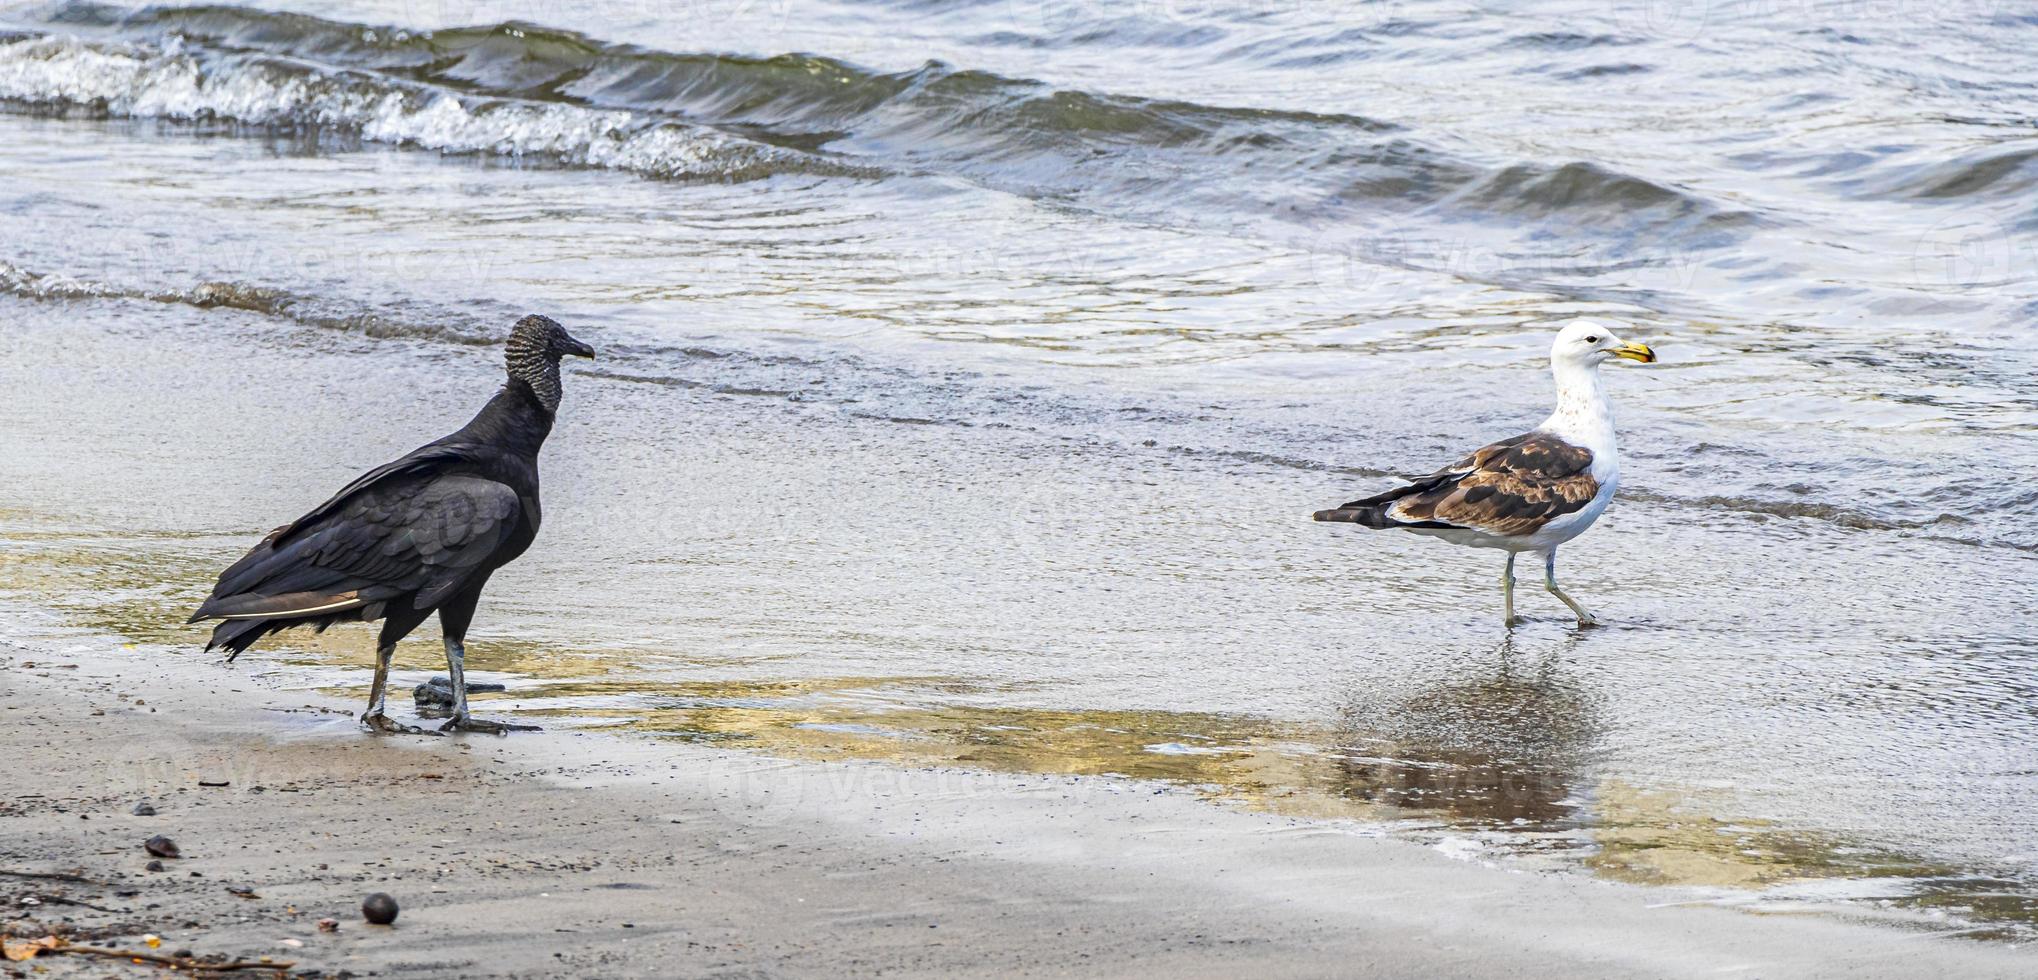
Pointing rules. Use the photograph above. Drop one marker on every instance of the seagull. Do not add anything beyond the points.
(412, 537)
(1529, 493)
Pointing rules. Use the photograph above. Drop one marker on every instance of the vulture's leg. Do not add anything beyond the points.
(1585, 616)
(456, 668)
(454, 617)
(385, 651)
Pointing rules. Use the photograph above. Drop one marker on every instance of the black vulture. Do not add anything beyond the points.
(411, 537)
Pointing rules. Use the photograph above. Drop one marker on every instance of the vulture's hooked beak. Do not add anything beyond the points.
(1635, 352)
(577, 349)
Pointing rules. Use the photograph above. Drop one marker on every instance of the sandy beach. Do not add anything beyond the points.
(582, 854)
(928, 582)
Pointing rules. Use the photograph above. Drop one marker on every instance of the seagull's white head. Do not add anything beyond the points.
(1589, 343)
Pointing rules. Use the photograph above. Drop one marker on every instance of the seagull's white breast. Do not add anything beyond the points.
(1583, 418)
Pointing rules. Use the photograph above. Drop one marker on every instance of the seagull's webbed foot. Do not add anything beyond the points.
(1585, 616)
(464, 723)
(389, 726)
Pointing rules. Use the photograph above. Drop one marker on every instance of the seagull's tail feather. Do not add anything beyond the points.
(1369, 511)
(1373, 517)
(1377, 511)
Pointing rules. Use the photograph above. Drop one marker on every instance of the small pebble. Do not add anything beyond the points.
(329, 925)
(379, 909)
(143, 809)
(162, 847)
(153, 866)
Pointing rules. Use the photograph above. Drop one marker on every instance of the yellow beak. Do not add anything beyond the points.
(1635, 352)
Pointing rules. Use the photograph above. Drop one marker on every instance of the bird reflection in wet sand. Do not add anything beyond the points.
(1506, 745)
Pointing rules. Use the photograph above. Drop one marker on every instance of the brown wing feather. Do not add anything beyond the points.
(1510, 488)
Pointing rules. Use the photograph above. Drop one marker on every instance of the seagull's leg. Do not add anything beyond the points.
(1507, 590)
(1585, 616)
(453, 619)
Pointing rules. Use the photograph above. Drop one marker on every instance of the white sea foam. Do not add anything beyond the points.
(16, 281)
(173, 83)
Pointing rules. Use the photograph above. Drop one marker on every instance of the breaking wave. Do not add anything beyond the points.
(173, 81)
(522, 90)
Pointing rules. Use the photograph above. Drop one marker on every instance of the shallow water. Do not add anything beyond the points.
(969, 373)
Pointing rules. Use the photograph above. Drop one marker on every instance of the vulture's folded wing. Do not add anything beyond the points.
(425, 461)
(415, 535)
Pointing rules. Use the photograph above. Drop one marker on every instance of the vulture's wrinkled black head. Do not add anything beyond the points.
(536, 344)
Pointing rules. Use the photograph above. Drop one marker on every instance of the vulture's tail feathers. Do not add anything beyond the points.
(235, 636)
(289, 605)
(250, 617)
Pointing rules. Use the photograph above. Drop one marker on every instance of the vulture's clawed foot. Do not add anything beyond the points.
(390, 726)
(462, 723)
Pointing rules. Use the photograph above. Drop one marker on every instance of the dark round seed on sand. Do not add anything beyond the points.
(379, 909)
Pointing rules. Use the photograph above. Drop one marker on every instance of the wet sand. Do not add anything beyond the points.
(586, 854)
